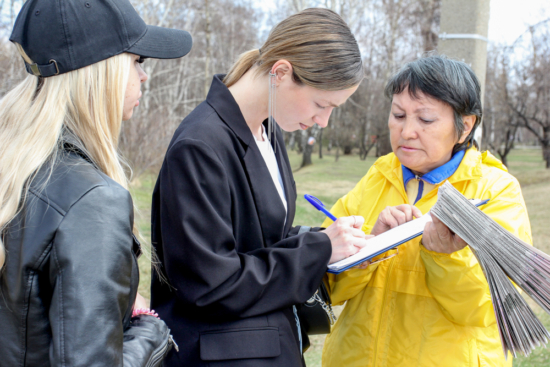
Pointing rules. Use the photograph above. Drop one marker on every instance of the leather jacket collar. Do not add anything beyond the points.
(72, 143)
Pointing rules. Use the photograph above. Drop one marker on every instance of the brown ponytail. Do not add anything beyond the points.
(244, 63)
(318, 44)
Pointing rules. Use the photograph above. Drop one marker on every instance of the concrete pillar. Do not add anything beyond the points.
(463, 36)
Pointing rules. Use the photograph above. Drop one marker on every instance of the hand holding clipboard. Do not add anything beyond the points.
(381, 243)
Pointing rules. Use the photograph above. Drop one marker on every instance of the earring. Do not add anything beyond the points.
(271, 111)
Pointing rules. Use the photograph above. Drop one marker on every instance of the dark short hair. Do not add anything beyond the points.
(450, 81)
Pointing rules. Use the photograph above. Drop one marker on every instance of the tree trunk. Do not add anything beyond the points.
(208, 51)
(321, 144)
(546, 153)
(365, 144)
(299, 141)
(348, 147)
(383, 145)
(292, 141)
(363, 155)
(308, 148)
(545, 141)
(503, 159)
(306, 158)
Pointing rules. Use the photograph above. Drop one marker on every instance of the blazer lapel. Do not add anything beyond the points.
(269, 207)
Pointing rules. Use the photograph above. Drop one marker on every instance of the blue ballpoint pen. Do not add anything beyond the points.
(319, 206)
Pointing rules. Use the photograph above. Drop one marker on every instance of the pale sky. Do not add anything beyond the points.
(508, 19)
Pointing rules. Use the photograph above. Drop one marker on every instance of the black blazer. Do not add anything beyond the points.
(219, 228)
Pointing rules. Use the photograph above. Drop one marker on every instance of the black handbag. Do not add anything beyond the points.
(146, 342)
(316, 314)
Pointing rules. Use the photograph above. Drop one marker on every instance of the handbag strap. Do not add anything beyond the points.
(321, 296)
(327, 307)
(304, 229)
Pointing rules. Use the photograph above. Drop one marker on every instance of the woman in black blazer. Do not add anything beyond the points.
(223, 209)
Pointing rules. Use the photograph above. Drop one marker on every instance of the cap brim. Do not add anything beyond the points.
(162, 43)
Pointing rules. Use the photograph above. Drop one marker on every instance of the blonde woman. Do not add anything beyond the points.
(224, 202)
(68, 255)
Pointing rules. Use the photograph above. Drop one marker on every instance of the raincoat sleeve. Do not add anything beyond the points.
(348, 284)
(456, 280)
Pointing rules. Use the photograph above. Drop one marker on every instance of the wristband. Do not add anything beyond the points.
(144, 311)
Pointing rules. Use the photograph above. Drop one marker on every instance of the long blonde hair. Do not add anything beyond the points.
(318, 44)
(89, 102)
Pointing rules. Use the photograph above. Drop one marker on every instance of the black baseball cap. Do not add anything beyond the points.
(64, 35)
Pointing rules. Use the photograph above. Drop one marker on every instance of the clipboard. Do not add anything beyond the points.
(387, 241)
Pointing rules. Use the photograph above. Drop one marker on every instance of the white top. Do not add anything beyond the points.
(271, 161)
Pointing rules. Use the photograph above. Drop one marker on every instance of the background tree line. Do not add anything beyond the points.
(389, 32)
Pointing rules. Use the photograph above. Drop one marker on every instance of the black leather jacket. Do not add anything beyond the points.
(71, 275)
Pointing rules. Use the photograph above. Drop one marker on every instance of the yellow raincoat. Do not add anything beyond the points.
(422, 308)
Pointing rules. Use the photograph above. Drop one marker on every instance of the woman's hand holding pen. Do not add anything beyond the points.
(346, 237)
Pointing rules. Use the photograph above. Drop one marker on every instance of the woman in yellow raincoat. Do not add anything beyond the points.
(429, 305)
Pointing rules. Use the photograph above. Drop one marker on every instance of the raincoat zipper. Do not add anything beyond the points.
(419, 196)
(382, 311)
(420, 189)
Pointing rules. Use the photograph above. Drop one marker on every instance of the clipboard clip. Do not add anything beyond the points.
(385, 258)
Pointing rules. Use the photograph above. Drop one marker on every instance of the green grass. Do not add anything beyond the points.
(329, 180)
(527, 165)
(142, 190)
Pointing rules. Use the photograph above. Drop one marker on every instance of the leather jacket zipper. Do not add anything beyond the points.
(159, 354)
